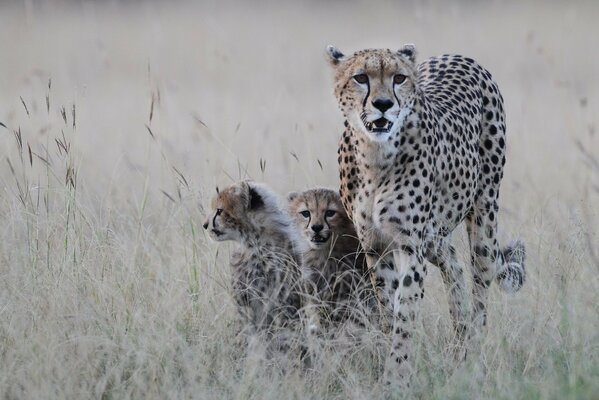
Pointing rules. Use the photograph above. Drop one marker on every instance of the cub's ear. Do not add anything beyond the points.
(409, 52)
(242, 190)
(255, 199)
(292, 196)
(335, 55)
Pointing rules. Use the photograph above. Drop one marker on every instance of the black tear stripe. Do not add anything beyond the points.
(214, 220)
(396, 99)
(367, 92)
(325, 218)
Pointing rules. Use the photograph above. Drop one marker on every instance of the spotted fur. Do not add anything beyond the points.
(423, 150)
(265, 266)
(333, 265)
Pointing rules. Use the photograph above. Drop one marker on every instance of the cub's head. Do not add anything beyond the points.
(231, 209)
(319, 215)
(375, 88)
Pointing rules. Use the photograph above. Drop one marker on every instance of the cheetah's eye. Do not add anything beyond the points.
(399, 79)
(329, 213)
(361, 78)
(305, 213)
(219, 211)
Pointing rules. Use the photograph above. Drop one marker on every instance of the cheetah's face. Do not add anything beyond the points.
(319, 215)
(221, 225)
(375, 88)
(228, 212)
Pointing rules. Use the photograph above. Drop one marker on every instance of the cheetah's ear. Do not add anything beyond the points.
(409, 52)
(335, 55)
(255, 200)
(242, 190)
(292, 196)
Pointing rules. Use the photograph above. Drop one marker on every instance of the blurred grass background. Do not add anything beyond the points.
(119, 118)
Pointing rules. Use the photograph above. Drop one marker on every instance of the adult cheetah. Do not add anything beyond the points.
(265, 265)
(423, 150)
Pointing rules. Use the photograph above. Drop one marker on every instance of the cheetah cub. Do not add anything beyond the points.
(265, 267)
(332, 264)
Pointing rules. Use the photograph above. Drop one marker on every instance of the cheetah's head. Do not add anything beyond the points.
(319, 215)
(375, 88)
(230, 211)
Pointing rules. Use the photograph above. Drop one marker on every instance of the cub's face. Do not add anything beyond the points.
(375, 88)
(319, 215)
(229, 212)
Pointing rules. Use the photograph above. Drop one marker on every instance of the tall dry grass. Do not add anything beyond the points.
(119, 119)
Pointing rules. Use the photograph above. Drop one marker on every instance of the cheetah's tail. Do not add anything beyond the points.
(513, 275)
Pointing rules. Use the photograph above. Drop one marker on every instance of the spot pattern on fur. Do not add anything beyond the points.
(265, 266)
(336, 280)
(413, 170)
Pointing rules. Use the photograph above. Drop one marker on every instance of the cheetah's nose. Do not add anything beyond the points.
(205, 225)
(382, 104)
(317, 228)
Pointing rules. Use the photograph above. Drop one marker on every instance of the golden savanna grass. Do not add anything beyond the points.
(119, 119)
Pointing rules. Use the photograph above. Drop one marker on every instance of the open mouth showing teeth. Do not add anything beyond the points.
(379, 125)
(319, 239)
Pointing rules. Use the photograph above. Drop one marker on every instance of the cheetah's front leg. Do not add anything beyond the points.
(408, 293)
(312, 303)
(382, 274)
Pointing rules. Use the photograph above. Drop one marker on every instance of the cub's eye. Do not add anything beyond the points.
(399, 79)
(305, 214)
(329, 213)
(219, 211)
(361, 78)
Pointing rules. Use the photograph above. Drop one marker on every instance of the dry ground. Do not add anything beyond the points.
(108, 286)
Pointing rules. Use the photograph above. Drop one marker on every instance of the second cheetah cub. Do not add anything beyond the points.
(332, 263)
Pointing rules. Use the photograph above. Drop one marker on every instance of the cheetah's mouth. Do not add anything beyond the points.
(319, 239)
(381, 125)
(216, 232)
